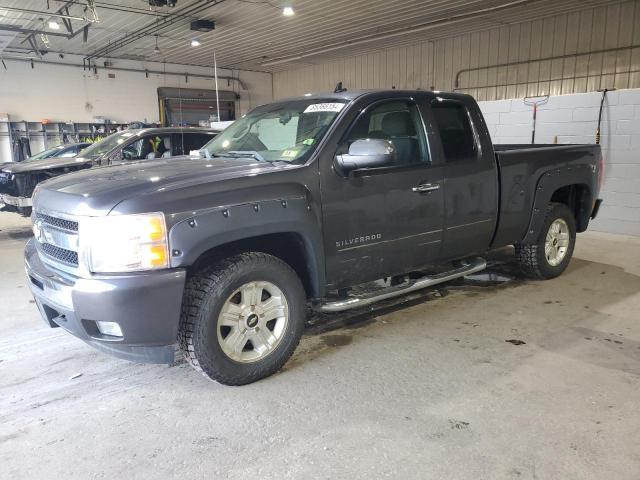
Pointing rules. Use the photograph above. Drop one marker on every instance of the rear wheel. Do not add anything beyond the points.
(243, 318)
(550, 255)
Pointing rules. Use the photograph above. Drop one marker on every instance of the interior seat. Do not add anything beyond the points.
(167, 145)
(399, 128)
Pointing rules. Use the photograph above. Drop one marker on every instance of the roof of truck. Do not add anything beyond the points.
(350, 95)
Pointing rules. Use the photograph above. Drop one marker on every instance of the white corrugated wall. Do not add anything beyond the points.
(428, 64)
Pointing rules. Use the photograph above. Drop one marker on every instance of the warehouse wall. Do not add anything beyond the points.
(428, 64)
(573, 119)
(62, 93)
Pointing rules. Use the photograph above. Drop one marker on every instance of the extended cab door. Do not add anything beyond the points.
(386, 220)
(470, 177)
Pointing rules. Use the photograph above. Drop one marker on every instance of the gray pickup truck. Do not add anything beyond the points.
(330, 201)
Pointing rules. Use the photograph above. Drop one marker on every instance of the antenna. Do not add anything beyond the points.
(339, 88)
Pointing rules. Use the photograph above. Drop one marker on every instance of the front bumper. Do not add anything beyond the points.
(146, 306)
(16, 201)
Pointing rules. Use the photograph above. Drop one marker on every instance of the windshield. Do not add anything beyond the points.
(46, 153)
(105, 145)
(287, 131)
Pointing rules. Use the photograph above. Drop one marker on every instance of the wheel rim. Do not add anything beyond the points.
(253, 321)
(557, 242)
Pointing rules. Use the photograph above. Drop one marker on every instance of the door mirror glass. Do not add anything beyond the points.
(366, 153)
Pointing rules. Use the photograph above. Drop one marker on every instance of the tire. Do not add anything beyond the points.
(221, 308)
(24, 211)
(533, 259)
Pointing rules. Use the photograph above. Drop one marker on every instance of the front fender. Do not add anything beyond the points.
(215, 227)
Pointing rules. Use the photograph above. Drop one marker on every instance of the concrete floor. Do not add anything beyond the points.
(429, 389)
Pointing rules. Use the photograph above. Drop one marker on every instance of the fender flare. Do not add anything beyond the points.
(547, 185)
(192, 237)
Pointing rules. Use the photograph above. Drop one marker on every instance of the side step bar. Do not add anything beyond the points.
(468, 267)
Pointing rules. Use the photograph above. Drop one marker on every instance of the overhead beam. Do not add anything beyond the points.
(31, 31)
(44, 13)
(34, 46)
(66, 21)
(153, 27)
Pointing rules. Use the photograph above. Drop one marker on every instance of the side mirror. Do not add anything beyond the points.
(366, 153)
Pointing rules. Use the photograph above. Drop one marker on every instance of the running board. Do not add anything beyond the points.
(468, 267)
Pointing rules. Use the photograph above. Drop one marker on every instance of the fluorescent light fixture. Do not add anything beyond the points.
(195, 42)
(288, 12)
(53, 25)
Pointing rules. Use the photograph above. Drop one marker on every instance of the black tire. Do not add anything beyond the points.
(206, 293)
(531, 257)
(24, 211)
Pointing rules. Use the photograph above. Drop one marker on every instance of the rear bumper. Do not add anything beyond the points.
(16, 201)
(145, 306)
(596, 208)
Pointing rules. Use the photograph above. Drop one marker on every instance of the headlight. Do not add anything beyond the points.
(124, 243)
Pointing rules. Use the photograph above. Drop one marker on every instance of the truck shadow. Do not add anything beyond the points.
(502, 272)
(575, 324)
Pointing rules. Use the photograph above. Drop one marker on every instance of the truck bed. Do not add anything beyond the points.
(520, 169)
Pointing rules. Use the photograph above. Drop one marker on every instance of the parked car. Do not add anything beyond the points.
(64, 150)
(17, 180)
(300, 203)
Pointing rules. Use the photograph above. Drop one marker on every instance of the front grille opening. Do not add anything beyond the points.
(69, 225)
(61, 254)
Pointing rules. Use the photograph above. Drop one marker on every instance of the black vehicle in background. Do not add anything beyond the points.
(61, 151)
(331, 202)
(17, 180)
(64, 150)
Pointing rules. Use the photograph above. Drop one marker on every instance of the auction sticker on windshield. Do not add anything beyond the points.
(324, 107)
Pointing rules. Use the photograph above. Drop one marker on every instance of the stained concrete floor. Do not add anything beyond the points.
(426, 389)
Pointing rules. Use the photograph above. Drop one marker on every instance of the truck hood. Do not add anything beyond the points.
(97, 191)
(45, 164)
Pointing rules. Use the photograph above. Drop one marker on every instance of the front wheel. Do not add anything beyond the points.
(242, 318)
(550, 255)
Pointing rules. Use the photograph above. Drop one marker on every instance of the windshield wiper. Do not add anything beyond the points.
(243, 153)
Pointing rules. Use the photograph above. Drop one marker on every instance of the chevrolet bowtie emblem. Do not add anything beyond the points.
(37, 231)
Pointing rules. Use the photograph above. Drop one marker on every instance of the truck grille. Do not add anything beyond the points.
(56, 240)
(61, 254)
(62, 223)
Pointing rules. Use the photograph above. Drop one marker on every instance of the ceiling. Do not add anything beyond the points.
(253, 34)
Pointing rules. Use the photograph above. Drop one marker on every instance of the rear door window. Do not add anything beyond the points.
(195, 141)
(456, 133)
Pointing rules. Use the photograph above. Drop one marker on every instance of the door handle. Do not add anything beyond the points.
(426, 187)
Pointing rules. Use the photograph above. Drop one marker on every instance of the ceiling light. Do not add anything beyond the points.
(195, 42)
(156, 50)
(288, 11)
(53, 25)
